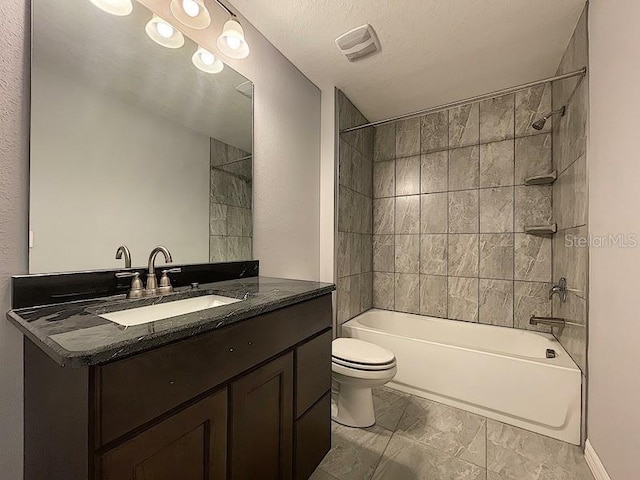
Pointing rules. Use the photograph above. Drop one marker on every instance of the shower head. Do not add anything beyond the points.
(539, 124)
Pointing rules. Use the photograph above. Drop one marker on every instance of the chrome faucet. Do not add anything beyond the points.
(560, 289)
(152, 280)
(123, 250)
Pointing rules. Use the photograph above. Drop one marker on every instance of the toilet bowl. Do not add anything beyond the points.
(356, 368)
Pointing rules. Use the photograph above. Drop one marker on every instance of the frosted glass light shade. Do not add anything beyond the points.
(163, 33)
(231, 41)
(206, 61)
(120, 8)
(191, 13)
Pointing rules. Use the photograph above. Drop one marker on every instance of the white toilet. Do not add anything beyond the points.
(357, 367)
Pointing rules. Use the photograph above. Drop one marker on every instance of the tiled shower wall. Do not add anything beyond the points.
(570, 203)
(230, 218)
(450, 209)
(354, 242)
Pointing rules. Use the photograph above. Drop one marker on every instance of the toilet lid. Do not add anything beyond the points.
(357, 351)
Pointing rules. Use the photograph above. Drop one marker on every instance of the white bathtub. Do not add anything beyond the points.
(501, 373)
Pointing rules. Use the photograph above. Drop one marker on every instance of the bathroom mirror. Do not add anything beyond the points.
(132, 144)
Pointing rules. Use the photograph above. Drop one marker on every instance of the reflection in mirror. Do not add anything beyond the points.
(133, 144)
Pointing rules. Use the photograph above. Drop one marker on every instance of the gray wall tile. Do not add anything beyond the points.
(433, 295)
(434, 172)
(407, 292)
(217, 152)
(218, 248)
(570, 260)
(385, 143)
(239, 222)
(383, 253)
(463, 251)
(239, 248)
(433, 254)
(407, 254)
(384, 179)
(497, 164)
(384, 290)
(217, 219)
(531, 298)
(356, 254)
(434, 132)
(570, 196)
(407, 215)
(408, 176)
(408, 138)
(532, 258)
(433, 213)
(462, 301)
(496, 210)
(383, 215)
(464, 168)
(496, 302)
(496, 256)
(355, 296)
(463, 212)
(531, 104)
(573, 337)
(367, 253)
(366, 291)
(570, 131)
(464, 125)
(497, 118)
(533, 206)
(533, 157)
(343, 252)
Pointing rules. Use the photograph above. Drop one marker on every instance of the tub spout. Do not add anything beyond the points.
(551, 321)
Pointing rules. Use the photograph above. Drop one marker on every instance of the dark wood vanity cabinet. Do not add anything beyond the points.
(249, 401)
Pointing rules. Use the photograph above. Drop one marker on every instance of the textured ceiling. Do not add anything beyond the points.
(115, 55)
(433, 51)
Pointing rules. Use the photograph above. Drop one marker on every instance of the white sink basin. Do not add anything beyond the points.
(141, 315)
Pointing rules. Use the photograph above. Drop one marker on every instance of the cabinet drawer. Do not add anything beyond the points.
(313, 371)
(130, 392)
(313, 437)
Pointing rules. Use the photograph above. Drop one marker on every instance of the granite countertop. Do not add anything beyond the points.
(74, 334)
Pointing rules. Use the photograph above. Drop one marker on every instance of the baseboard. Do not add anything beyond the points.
(594, 463)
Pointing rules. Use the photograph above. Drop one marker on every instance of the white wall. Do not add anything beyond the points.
(286, 190)
(614, 208)
(104, 172)
(286, 162)
(14, 181)
(328, 185)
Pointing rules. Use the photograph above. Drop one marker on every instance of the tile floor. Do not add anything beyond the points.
(417, 439)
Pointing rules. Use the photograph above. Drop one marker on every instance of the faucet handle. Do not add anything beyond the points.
(165, 282)
(136, 284)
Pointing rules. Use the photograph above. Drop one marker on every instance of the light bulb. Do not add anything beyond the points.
(207, 57)
(164, 29)
(233, 42)
(191, 8)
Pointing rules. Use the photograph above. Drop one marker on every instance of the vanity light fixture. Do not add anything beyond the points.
(120, 8)
(163, 33)
(231, 41)
(206, 61)
(191, 13)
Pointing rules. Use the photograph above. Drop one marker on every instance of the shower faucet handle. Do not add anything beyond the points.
(559, 289)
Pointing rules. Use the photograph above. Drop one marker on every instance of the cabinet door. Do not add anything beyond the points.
(189, 445)
(262, 423)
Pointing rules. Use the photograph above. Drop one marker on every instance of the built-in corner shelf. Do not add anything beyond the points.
(541, 230)
(546, 179)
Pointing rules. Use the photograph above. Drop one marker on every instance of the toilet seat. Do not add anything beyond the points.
(358, 355)
(363, 366)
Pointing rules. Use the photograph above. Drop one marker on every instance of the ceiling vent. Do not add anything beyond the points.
(358, 43)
